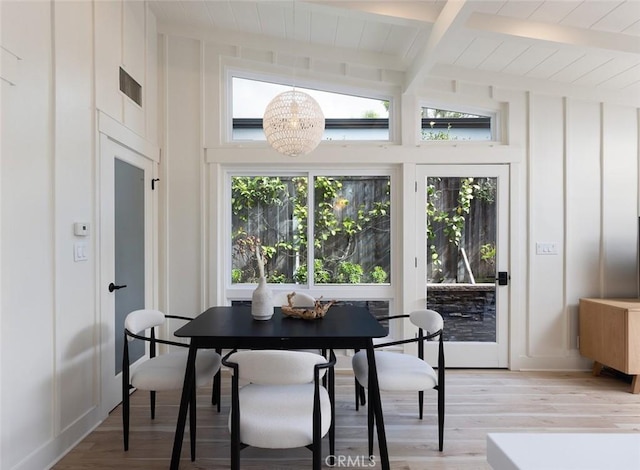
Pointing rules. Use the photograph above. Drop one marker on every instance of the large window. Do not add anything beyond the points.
(344, 240)
(347, 117)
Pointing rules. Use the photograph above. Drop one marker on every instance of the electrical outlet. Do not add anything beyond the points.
(546, 248)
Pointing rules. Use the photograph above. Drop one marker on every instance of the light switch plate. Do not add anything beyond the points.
(80, 251)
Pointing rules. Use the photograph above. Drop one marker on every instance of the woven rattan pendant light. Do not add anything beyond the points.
(293, 123)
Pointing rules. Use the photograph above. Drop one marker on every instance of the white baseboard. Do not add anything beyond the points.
(52, 451)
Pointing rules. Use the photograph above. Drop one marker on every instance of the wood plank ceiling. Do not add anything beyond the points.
(591, 44)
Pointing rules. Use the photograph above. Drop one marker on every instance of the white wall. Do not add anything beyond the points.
(49, 319)
(183, 161)
(28, 236)
(574, 183)
(583, 177)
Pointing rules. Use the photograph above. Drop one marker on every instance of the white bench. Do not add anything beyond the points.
(563, 451)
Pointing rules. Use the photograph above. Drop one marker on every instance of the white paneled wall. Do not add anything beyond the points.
(133, 61)
(50, 329)
(27, 238)
(183, 159)
(124, 37)
(619, 201)
(583, 178)
(75, 316)
(583, 208)
(108, 47)
(546, 225)
(150, 96)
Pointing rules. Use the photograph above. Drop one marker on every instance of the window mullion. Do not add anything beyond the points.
(310, 229)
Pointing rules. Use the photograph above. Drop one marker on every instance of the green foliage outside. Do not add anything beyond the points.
(488, 253)
(336, 234)
(453, 219)
(379, 275)
(349, 273)
(437, 135)
(320, 275)
(441, 114)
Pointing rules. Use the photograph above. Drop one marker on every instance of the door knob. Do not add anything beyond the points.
(113, 287)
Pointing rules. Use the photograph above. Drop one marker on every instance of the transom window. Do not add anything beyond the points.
(443, 124)
(347, 117)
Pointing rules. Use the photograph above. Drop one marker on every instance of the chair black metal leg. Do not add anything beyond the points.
(363, 397)
(376, 406)
(219, 391)
(370, 423)
(125, 416)
(152, 399)
(216, 389)
(420, 403)
(317, 455)
(360, 394)
(235, 423)
(332, 399)
(316, 445)
(214, 398)
(235, 454)
(323, 351)
(125, 394)
(441, 417)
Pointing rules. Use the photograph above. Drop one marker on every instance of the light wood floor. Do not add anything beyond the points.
(478, 402)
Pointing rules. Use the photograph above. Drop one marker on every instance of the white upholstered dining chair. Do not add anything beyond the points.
(284, 404)
(398, 371)
(161, 372)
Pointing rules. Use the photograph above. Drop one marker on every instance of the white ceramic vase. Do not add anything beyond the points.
(262, 301)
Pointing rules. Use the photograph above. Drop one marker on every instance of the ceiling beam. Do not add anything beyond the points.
(554, 33)
(395, 12)
(450, 19)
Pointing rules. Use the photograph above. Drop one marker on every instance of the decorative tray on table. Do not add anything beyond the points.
(319, 310)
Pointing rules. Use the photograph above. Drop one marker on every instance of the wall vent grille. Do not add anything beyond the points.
(130, 87)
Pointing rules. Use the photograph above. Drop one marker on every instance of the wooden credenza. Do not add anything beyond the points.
(610, 335)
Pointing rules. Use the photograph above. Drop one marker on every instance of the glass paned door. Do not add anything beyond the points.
(129, 252)
(463, 228)
(126, 226)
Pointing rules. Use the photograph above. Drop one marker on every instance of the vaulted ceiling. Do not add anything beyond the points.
(590, 45)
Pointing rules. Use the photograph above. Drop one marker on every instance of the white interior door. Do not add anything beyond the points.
(463, 257)
(125, 250)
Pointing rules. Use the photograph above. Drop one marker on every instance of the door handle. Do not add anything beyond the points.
(113, 287)
(503, 278)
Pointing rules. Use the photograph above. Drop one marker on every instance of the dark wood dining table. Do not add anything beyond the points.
(233, 327)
